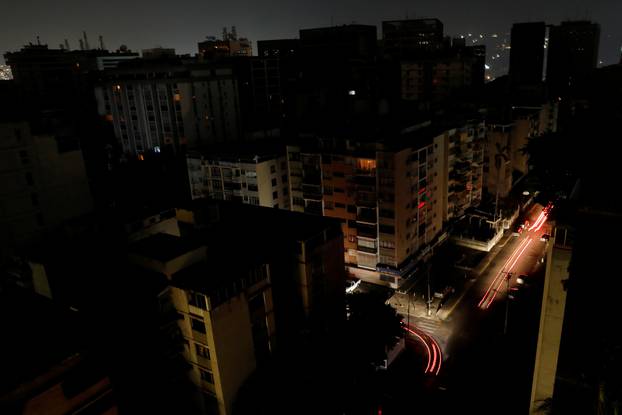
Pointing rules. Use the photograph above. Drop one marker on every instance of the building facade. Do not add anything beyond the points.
(527, 53)
(260, 180)
(387, 196)
(572, 54)
(173, 105)
(36, 175)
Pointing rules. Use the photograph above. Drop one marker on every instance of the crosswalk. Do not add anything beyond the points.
(427, 325)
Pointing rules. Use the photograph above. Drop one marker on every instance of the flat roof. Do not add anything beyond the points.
(163, 247)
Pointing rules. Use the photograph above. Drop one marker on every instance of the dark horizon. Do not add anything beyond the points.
(181, 28)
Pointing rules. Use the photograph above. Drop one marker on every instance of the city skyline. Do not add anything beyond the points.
(182, 28)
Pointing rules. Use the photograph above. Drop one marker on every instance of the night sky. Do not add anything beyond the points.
(180, 24)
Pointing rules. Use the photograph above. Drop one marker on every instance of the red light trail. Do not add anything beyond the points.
(433, 350)
(500, 274)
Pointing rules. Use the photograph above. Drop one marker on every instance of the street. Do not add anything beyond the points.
(481, 368)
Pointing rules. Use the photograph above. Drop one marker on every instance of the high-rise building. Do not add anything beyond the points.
(407, 38)
(572, 54)
(559, 254)
(278, 48)
(155, 105)
(229, 45)
(236, 310)
(225, 309)
(36, 175)
(257, 178)
(337, 79)
(392, 193)
(54, 80)
(527, 53)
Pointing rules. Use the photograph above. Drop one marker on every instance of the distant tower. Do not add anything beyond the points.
(38, 41)
(61, 46)
(234, 33)
(225, 35)
(527, 53)
(86, 41)
(66, 44)
(101, 42)
(81, 44)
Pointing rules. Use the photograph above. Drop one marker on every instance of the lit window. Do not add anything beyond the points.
(352, 92)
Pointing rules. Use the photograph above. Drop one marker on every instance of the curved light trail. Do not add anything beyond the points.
(433, 350)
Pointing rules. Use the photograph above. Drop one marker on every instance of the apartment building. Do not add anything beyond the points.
(257, 178)
(225, 312)
(158, 104)
(230, 304)
(36, 175)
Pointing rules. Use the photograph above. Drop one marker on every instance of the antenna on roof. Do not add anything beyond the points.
(101, 42)
(81, 44)
(86, 41)
(66, 44)
(38, 41)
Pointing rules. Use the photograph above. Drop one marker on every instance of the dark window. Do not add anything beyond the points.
(273, 169)
(275, 195)
(338, 190)
(202, 351)
(351, 209)
(387, 229)
(29, 179)
(35, 199)
(284, 178)
(273, 182)
(341, 206)
(338, 174)
(198, 325)
(207, 376)
(197, 300)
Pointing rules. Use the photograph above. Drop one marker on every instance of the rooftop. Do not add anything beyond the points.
(163, 247)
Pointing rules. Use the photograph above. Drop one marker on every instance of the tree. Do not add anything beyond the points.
(373, 327)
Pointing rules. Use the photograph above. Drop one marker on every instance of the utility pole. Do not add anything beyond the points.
(508, 277)
(429, 302)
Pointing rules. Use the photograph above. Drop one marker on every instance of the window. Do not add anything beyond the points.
(338, 190)
(275, 195)
(207, 376)
(202, 351)
(273, 169)
(29, 179)
(273, 182)
(35, 199)
(340, 205)
(284, 178)
(328, 205)
(285, 191)
(198, 325)
(197, 300)
(387, 229)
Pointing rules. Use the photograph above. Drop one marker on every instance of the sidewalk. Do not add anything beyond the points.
(418, 306)
(453, 301)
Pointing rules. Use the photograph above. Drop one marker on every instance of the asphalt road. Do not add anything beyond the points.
(483, 369)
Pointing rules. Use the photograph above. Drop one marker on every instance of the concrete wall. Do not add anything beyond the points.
(551, 322)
